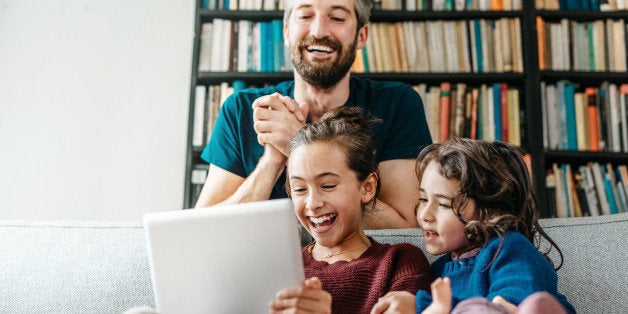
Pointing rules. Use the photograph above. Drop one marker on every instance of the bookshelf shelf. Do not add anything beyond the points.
(581, 15)
(528, 82)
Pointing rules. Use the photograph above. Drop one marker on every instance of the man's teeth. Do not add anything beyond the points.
(321, 219)
(319, 49)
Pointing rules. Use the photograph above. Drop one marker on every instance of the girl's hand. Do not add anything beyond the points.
(306, 298)
(396, 302)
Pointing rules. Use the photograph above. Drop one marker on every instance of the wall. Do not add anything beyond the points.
(93, 107)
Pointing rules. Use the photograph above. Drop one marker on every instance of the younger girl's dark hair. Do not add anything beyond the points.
(348, 129)
(496, 177)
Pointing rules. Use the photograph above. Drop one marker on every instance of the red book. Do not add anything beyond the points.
(503, 95)
(445, 108)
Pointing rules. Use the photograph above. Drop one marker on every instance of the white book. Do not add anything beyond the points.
(505, 49)
(614, 111)
(410, 38)
(410, 5)
(485, 5)
(268, 5)
(244, 45)
(589, 190)
(436, 46)
(256, 52)
(553, 116)
(451, 47)
(610, 49)
(198, 129)
(474, 52)
(421, 40)
(205, 50)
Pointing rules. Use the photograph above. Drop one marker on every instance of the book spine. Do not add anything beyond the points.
(445, 108)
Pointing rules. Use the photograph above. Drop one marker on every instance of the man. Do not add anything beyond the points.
(247, 151)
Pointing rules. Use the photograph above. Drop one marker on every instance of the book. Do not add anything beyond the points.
(497, 111)
(514, 123)
(540, 35)
(600, 187)
(570, 117)
(445, 109)
(204, 53)
(610, 183)
(198, 129)
(589, 190)
(593, 118)
(623, 116)
(561, 196)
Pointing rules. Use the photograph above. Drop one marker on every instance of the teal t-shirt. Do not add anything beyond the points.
(402, 134)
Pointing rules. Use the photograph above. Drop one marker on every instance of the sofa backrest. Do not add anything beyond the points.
(594, 275)
(102, 267)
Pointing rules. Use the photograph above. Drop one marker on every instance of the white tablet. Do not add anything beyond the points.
(223, 259)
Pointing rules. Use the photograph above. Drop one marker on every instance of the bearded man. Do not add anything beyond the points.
(248, 147)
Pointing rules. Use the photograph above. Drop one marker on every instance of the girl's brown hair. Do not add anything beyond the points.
(494, 175)
(347, 128)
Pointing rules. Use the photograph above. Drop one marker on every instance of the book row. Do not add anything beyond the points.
(586, 5)
(587, 190)
(252, 5)
(477, 45)
(396, 5)
(488, 112)
(243, 46)
(585, 118)
(598, 45)
(207, 103)
(449, 5)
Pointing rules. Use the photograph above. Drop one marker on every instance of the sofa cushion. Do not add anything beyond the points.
(73, 267)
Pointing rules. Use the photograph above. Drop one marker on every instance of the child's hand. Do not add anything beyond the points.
(509, 306)
(441, 297)
(306, 298)
(396, 302)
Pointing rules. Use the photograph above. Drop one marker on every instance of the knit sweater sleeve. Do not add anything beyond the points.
(519, 271)
(412, 270)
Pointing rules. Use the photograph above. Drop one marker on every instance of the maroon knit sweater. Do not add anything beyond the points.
(355, 286)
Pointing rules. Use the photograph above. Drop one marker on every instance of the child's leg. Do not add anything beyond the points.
(541, 303)
(441, 297)
(479, 305)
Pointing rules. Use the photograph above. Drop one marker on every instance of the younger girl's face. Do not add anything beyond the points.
(443, 232)
(326, 194)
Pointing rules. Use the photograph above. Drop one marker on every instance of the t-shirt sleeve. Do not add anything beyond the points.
(408, 132)
(223, 149)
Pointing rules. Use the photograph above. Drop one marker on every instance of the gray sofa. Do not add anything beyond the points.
(102, 267)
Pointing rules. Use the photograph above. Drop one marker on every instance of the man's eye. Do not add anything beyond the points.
(338, 19)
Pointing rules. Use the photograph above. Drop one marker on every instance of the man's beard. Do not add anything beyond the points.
(323, 75)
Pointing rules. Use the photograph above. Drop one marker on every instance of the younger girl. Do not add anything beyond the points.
(332, 178)
(478, 207)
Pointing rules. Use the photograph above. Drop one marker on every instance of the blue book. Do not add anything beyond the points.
(478, 44)
(595, 5)
(277, 33)
(266, 47)
(585, 5)
(570, 117)
(610, 193)
(497, 111)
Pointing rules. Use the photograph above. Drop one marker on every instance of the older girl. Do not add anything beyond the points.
(332, 180)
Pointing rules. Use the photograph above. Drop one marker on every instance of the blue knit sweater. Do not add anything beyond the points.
(518, 271)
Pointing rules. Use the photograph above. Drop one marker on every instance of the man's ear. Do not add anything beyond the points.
(362, 36)
(369, 188)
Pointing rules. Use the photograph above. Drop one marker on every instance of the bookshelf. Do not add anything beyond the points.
(527, 81)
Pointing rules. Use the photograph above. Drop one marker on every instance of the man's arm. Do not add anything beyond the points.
(224, 187)
(398, 196)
